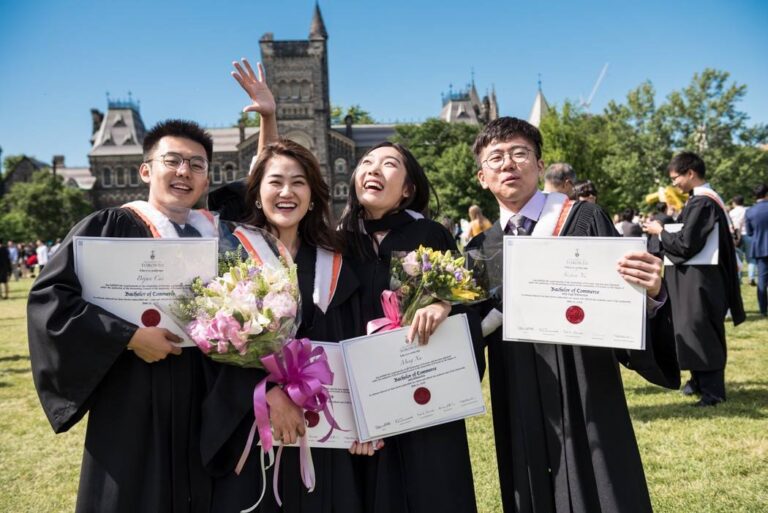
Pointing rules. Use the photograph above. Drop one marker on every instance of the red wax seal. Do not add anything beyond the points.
(312, 418)
(422, 395)
(574, 314)
(150, 318)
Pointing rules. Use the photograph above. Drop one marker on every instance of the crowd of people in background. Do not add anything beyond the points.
(23, 259)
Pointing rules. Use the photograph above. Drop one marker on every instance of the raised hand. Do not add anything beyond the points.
(256, 87)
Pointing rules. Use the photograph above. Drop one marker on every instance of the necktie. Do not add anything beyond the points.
(516, 225)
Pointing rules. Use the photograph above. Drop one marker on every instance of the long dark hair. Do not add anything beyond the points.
(315, 228)
(416, 180)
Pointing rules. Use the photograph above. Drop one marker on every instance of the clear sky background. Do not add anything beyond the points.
(58, 59)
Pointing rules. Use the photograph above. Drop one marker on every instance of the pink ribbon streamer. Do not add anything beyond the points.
(303, 372)
(392, 318)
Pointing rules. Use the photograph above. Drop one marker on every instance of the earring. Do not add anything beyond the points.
(258, 204)
(311, 205)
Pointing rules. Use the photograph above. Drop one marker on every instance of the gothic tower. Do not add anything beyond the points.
(297, 73)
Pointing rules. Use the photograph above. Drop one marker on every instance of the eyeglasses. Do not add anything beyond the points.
(517, 154)
(174, 161)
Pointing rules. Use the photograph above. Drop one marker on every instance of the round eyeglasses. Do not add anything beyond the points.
(517, 154)
(174, 161)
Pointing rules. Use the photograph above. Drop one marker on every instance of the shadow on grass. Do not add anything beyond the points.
(16, 371)
(742, 402)
(14, 358)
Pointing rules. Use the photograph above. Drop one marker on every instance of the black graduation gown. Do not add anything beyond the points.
(702, 294)
(564, 439)
(142, 441)
(427, 470)
(228, 416)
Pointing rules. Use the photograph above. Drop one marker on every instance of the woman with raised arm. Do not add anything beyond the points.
(426, 470)
(285, 194)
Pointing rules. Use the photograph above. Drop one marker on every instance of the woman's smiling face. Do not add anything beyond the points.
(284, 193)
(381, 181)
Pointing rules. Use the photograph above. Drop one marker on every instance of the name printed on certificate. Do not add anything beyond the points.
(135, 278)
(398, 387)
(566, 290)
(317, 425)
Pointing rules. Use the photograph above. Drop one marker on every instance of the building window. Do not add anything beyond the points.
(133, 177)
(229, 172)
(340, 166)
(120, 177)
(216, 174)
(340, 190)
(106, 177)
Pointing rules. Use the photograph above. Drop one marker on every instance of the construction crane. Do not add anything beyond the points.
(586, 104)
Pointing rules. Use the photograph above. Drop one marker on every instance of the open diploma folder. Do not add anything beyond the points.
(566, 290)
(131, 277)
(708, 255)
(398, 387)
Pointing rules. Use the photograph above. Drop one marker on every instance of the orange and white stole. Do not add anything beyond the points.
(161, 227)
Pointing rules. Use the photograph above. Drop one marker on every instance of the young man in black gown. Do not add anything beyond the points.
(700, 294)
(142, 393)
(564, 439)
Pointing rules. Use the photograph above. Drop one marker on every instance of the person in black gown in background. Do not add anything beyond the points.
(142, 393)
(287, 196)
(564, 439)
(427, 470)
(700, 294)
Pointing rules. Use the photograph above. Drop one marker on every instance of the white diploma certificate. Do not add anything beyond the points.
(566, 290)
(398, 387)
(317, 425)
(132, 277)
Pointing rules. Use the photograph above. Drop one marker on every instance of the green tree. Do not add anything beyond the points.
(637, 146)
(359, 115)
(10, 163)
(43, 208)
(704, 118)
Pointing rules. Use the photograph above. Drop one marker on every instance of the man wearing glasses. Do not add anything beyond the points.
(143, 393)
(700, 294)
(564, 439)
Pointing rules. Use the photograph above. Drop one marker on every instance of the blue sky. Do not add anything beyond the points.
(59, 58)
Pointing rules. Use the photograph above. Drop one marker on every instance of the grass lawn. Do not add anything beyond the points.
(696, 460)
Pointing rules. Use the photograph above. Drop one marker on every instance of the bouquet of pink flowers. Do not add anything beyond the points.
(250, 310)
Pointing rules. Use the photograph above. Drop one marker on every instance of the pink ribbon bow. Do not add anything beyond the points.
(392, 318)
(303, 372)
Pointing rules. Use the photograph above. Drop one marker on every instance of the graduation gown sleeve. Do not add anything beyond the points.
(73, 344)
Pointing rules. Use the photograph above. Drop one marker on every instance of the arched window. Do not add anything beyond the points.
(120, 177)
(133, 177)
(340, 166)
(295, 89)
(305, 90)
(340, 190)
(216, 174)
(229, 172)
(106, 177)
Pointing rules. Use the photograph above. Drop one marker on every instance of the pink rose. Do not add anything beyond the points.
(199, 331)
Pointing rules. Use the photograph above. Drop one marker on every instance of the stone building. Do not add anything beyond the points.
(298, 76)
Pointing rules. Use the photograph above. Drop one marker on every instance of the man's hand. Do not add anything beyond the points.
(154, 344)
(642, 269)
(256, 87)
(653, 227)
(426, 321)
(286, 418)
(366, 448)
